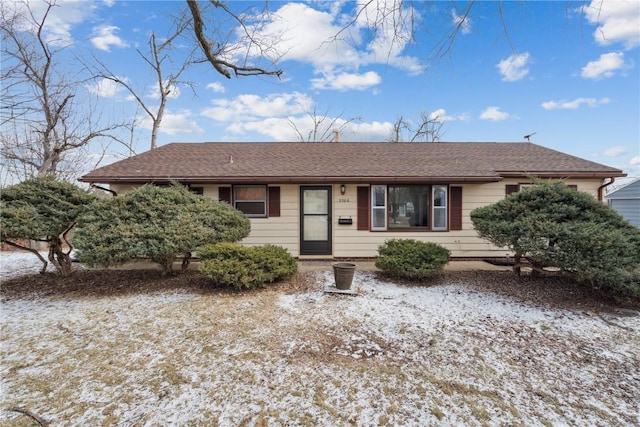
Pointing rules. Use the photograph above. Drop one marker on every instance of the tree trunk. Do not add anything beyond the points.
(185, 262)
(166, 265)
(60, 260)
(33, 251)
(517, 263)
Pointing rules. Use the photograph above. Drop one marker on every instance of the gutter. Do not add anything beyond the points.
(602, 187)
(113, 193)
(294, 179)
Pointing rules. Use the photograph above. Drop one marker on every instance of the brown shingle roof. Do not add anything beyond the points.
(346, 162)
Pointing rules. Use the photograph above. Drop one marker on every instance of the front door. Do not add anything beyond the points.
(315, 220)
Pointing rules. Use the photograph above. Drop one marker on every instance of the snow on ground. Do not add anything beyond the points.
(393, 355)
(15, 263)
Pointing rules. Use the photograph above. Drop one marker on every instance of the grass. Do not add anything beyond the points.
(211, 357)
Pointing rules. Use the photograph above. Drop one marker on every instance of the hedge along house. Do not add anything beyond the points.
(341, 200)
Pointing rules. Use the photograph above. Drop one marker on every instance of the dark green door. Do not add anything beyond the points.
(315, 220)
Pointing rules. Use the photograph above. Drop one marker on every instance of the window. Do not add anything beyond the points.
(251, 199)
(378, 207)
(514, 188)
(439, 207)
(408, 206)
(403, 207)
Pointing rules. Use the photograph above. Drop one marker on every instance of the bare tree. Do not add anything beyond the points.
(321, 127)
(216, 48)
(45, 114)
(167, 69)
(395, 21)
(427, 129)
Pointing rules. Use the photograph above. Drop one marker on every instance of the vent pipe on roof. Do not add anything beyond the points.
(336, 134)
(230, 159)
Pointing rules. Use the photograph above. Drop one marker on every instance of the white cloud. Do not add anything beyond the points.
(284, 129)
(514, 68)
(340, 42)
(103, 37)
(441, 115)
(176, 124)
(604, 67)
(216, 87)
(174, 91)
(616, 151)
(495, 114)
(106, 88)
(247, 107)
(635, 161)
(617, 21)
(464, 22)
(347, 81)
(574, 104)
(60, 19)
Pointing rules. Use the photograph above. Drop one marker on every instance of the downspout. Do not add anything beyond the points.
(602, 187)
(104, 189)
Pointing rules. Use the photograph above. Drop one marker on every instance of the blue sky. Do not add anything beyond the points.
(566, 71)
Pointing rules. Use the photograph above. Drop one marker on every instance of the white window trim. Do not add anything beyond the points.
(375, 208)
(445, 208)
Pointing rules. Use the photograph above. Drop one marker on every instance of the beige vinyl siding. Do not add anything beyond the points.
(283, 230)
(349, 242)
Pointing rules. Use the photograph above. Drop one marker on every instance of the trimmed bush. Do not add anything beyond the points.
(241, 267)
(45, 210)
(411, 259)
(552, 225)
(161, 224)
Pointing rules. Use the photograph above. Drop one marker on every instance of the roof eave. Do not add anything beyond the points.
(290, 179)
(561, 175)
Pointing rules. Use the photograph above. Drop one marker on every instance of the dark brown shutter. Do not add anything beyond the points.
(363, 208)
(510, 189)
(455, 208)
(274, 201)
(224, 194)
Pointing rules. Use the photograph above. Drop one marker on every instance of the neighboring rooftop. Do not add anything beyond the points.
(348, 162)
(630, 190)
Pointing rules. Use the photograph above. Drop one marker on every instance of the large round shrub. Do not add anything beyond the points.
(241, 267)
(45, 210)
(552, 225)
(411, 259)
(157, 223)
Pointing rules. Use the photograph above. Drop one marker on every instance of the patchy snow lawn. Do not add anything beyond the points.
(449, 354)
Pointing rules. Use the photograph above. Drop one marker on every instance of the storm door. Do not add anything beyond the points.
(315, 220)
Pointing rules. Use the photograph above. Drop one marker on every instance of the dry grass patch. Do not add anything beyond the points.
(135, 348)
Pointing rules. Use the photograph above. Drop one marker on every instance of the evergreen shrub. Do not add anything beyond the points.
(242, 267)
(411, 259)
(553, 225)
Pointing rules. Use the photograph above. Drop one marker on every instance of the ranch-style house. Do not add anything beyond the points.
(341, 200)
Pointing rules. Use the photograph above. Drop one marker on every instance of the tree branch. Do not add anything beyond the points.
(220, 65)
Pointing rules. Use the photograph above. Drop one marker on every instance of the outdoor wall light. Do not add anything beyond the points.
(343, 189)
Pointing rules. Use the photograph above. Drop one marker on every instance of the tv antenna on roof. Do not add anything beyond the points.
(528, 137)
